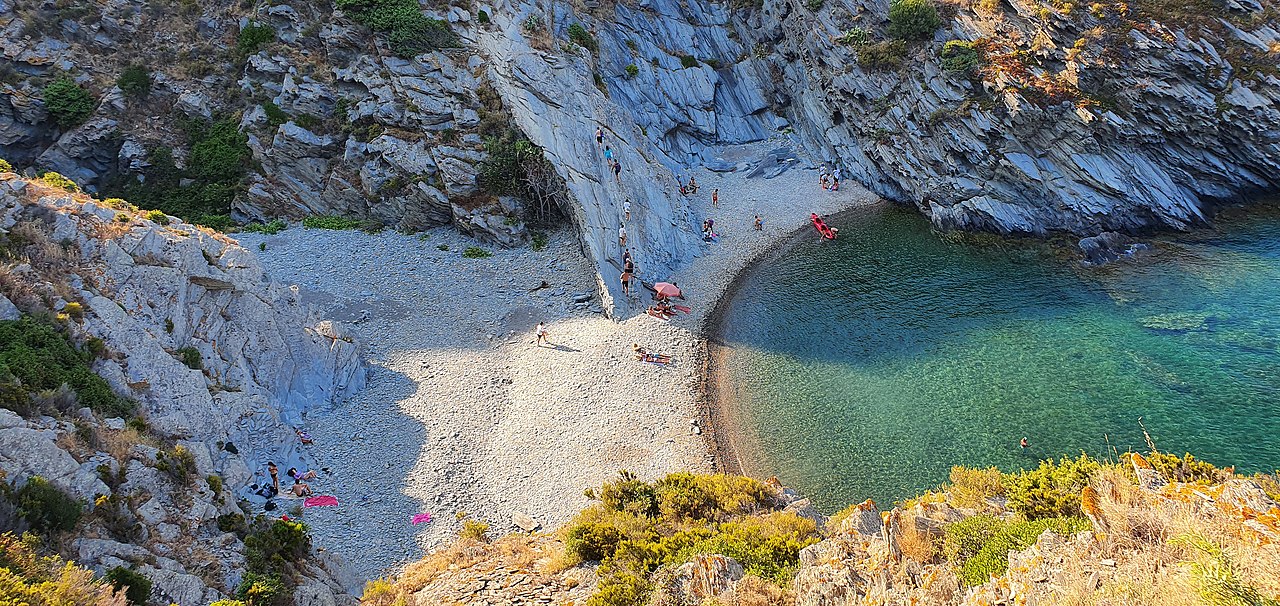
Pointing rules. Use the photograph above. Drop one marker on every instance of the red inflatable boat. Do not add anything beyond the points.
(823, 229)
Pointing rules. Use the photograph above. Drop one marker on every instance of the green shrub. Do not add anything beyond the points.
(475, 530)
(215, 222)
(275, 115)
(815, 5)
(276, 547)
(960, 56)
(231, 522)
(191, 357)
(406, 29)
(1051, 490)
(538, 241)
(580, 36)
(1186, 468)
(887, 54)
(134, 81)
(53, 179)
(532, 23)
(202, 193)
(688, 61)
(443, 247)
(980, 545)
(157, 216)
(68, 103)
(137, 588)
(45, 581)
(913, 19)
(330, 222)
(46, 508)
(38, 357)
(261, 590)
(179, 463)
(5, 167)
(638, 527)
(482, 17)
(475, 252)
(253, 37)
(856, 36)
(271, 228)
(219, 152)
(215, 483)
(632, 70)
(970, 488)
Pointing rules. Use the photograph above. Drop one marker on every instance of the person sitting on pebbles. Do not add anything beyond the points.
(299, 476)
(643, 355)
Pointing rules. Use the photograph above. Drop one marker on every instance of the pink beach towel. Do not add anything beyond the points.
(321, 501)
(420, 518)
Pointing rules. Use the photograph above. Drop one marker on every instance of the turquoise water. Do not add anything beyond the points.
(867, 366)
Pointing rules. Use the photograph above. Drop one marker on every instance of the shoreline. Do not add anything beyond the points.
(713, 400)
(464, 412)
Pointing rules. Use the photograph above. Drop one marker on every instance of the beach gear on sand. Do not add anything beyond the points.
(421, 518)
(320, 501)
(666, 289)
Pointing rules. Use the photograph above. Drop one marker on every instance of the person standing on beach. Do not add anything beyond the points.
(626, 210)
(715, 198)
(541, 332)
(622, 236)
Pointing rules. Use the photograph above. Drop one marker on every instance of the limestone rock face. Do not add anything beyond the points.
(154, 293)
(1140, 128)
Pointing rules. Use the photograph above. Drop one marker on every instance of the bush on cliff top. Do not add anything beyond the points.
(28, 578)
(408, 32)
(913, 19)
(68, 103)
(637, 526)
(1051, 490)
(980, 545)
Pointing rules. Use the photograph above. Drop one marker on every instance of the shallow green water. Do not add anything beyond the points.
(867, 366)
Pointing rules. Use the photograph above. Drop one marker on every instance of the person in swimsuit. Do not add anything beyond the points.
(715, 198)
(299, 476)
(1023, 443)
(541, 332)
(626, 210)
(599, 136)
(622, 236)
(626, 282)
(275, 475)
(759, 223)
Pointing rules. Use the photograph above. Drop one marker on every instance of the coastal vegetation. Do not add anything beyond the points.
(957, 540)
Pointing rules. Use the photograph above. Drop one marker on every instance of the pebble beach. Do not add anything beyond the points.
(465, 415)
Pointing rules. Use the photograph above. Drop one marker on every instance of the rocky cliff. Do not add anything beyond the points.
(217, 365)
(1062, 116)
(1015, 116)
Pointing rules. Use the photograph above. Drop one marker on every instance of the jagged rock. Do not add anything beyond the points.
(828, 584)
(1148, 477)
(26, 452)
(1107, 247)
(805, 509)
(85, 153)
(864, 520)
(524, 522)
(700, 579)
(8, 311)
(174, 587)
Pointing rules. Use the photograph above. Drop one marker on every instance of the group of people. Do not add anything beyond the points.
(691, 188)
(830, 181)
(299, 488)
(614, 164)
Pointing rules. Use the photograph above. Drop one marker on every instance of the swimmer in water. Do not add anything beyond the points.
(1023, 443)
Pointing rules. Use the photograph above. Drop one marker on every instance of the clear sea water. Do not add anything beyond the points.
(867, 366)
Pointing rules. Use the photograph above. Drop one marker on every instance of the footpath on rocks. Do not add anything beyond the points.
(464, 415)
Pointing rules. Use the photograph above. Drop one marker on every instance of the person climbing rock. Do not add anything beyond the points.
(608, 155)
(617, 171)
(626, 282)
(622, 236)
(599, 136)
(715, 198)
(626, 210)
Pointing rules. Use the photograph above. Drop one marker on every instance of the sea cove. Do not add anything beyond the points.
(868, 366)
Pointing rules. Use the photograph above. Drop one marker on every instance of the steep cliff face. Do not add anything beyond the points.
(1073, 117)
(221, 362)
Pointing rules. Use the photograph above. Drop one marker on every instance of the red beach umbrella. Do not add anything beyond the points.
(666, 289)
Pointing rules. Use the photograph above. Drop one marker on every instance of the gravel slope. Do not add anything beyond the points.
(463, 413)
